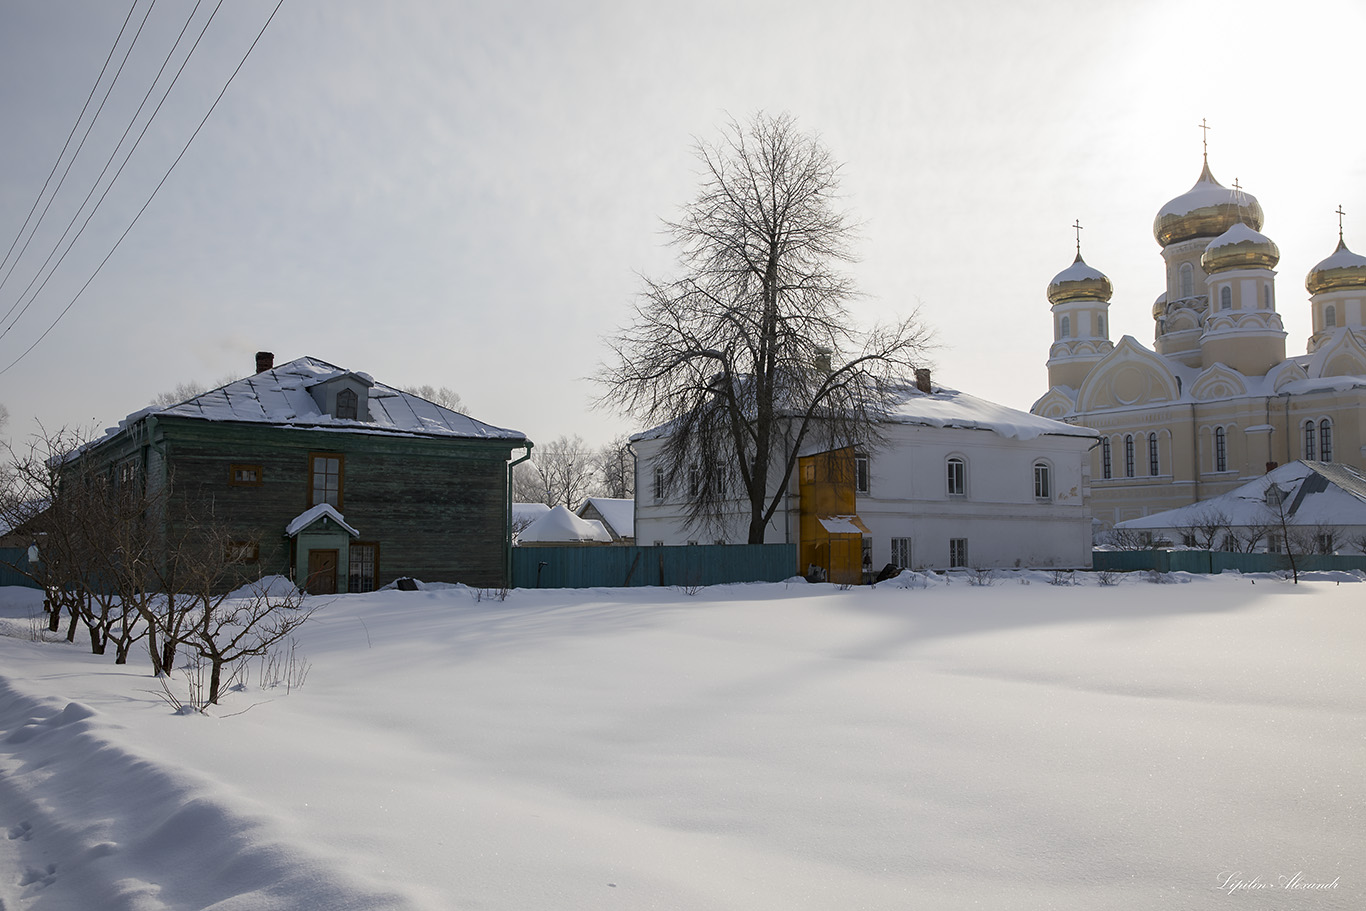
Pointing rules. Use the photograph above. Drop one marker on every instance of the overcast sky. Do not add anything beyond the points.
(465, 194)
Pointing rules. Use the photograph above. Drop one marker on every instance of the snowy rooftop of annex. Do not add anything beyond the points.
(559, 525)
(619, 513)
(1315, 493)
(281, 396)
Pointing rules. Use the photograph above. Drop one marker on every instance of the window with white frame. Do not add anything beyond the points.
(661, 484)
(1043, 481)
(1065, 327)
(1226, 298)
(957, 477)
(1330, 317)
(861, 476)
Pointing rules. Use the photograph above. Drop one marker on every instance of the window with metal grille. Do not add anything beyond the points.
(1220, 450)
(1105, 458)
(1153, 466)
(1128, 455)
(1325, 440)
(363, 567)
(901, 552)
(958, 552)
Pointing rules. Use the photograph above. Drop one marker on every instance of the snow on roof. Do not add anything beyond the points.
(946, 407)
(559, 525)
(1315, 493)
(281, 396)
(619, 513)
(1238, 234)
(529, 511)
(1079, 271)
(1206, 193)
(313, 514)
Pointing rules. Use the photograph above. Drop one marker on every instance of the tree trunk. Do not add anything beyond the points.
(215, 679)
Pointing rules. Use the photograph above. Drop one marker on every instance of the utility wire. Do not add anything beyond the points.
(112, 155)
(77, 153)
(158, 187)
(56, 164)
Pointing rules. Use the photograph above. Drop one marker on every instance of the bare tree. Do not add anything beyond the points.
(1129, 539)
(528, 486)
(188, 390)
(614, 468)
(1207, 528)
(446, 397)
(228, 627)
(565, 470)
(752, 353)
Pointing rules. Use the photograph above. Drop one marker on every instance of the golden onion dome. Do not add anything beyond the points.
(1079, 282)
(1239, 247)
(1344, 269)
(1208, 209)
(1160, 306)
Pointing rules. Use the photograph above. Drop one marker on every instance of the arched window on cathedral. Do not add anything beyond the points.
(1310, 435)
(1153, 466)
(1105, 467)
(1226, 298)
(1325, 440)
(1128, 455)
(1065, 328)
(1100, 325)
(1220, 450)
(1266, 296)
(1330, 316)
(1187, 280)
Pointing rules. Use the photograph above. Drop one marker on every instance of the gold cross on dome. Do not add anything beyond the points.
(1340, 214)
(1077, 224)
(1205, 128)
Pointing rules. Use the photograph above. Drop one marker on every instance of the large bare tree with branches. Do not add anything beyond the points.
(752, 353)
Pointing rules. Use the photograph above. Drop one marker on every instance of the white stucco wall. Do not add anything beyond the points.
(1003, 522)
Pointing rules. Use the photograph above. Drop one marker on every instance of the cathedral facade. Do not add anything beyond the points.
(1215, 401)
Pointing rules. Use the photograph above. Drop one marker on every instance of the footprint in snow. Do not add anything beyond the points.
(34, 876)
(23, 831)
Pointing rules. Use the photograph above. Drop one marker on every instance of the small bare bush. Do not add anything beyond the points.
(982, 576)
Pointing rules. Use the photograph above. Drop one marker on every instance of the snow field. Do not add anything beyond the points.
(752, 747)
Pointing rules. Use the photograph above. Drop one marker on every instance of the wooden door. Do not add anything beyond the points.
(322, 572)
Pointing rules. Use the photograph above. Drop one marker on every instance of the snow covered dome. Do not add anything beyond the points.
(1344, 269)
(1207, 209)
(1239, 247)
(1079, 282)
(1160, 305)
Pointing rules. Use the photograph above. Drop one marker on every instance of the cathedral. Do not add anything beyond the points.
(1215, 401)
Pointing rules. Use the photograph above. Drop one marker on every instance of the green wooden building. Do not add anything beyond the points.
(320, 473)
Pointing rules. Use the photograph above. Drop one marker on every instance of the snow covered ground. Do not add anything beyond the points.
(1020, 746)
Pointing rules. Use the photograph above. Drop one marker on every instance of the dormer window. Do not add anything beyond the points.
(347, 405)
(1274, 495)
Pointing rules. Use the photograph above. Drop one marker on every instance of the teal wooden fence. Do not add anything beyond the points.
(1214, 561)
(11, 557)
(619, 567)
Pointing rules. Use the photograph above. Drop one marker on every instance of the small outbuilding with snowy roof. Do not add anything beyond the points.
(324, 474)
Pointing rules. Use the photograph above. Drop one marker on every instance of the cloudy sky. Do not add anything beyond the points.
(466, 193)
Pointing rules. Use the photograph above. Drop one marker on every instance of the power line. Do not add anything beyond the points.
(157, 189)
(79, 147)
(110, 160)
(105, 168)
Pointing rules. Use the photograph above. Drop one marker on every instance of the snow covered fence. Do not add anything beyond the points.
(617, 567)
(1215, 561)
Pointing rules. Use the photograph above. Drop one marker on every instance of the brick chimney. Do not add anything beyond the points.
(922, 379)
(1271, 466)
(265, 360)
